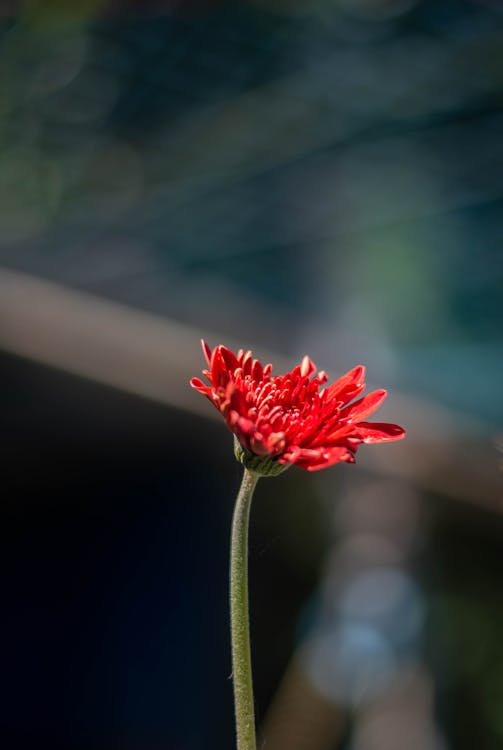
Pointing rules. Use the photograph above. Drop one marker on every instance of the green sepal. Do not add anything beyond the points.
(264, 466)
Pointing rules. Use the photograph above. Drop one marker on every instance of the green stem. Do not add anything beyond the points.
(240, 627)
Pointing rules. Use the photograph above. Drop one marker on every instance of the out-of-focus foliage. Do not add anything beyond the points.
(317, 163)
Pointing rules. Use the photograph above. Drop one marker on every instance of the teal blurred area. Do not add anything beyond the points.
(300, 176)
(333, 166)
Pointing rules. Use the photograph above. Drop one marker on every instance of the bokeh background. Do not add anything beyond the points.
(295, 176)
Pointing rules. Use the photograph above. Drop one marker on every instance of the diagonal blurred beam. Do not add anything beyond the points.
(92, 337)
(154, 358)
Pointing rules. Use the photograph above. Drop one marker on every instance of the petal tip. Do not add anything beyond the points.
(206, 351)
(197, 383)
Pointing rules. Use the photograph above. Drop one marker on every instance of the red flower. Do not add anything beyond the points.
(287, 417)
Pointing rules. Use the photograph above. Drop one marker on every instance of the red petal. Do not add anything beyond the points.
(307, 367)
(363, 407)
(348, 386)
(229, 358)
(223, 361)
(258, 446)
(206, 351)
(257, 370)
(379, 432)
(216, 363)
(236, 400)
(246, 362)
(246, 426)
(199, 385)
(328, 457)
(356, 376)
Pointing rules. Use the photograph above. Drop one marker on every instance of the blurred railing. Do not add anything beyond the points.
(155, 357)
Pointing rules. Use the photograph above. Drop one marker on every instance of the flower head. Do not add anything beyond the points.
(290, 418)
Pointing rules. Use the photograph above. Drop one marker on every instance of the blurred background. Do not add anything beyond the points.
(294, 176)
